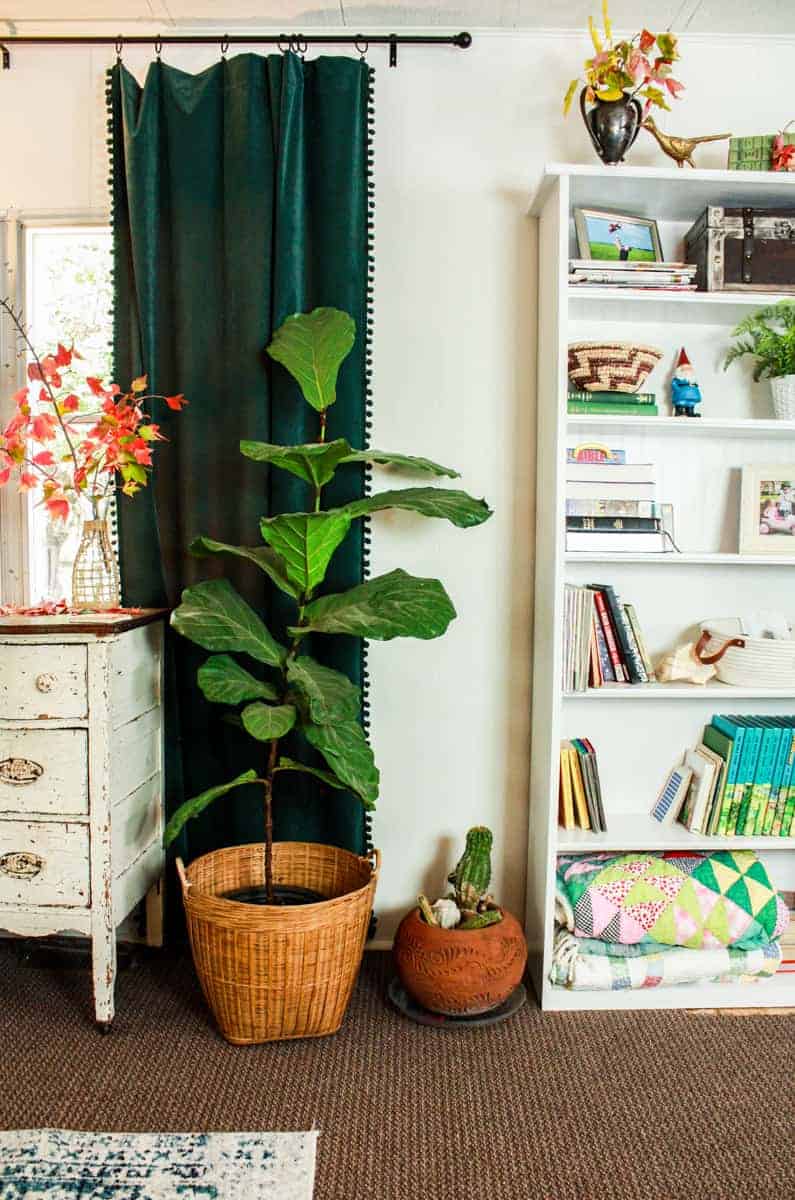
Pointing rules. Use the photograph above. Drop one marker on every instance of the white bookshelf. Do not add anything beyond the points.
(640, 732)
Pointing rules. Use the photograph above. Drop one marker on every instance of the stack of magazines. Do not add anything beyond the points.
(657, 276)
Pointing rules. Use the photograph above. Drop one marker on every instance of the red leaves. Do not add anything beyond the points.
(176, 402)
(44, 458)
(70, 403)
(5, 475)
(782, 156)
(57, 506)
(62, 357)
(43, 427)
(95, 385)
(646, 41)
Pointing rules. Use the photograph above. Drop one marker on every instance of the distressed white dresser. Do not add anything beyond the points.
(81, 769)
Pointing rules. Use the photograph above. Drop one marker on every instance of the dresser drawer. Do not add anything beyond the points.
(44, 863)
(44, 771)
(39, 681)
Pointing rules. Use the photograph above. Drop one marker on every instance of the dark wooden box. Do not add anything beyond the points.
(743, 249)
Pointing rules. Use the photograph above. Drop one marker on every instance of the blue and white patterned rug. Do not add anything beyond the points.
(57, 1164)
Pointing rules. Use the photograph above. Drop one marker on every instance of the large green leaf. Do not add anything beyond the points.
(455, 506)
(393, 605)
(192, 808)
(315, 463)
(306, 542)
(266, 722)
(224, 681)
(406, 462)
(327, 695)
(215, 616)
(290, 764)
(265, 558)
(312, 347)
(347, 752)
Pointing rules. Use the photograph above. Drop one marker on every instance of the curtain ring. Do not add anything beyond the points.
(119, 46)
(283, 38)
(224, 45)
(158, 47)
(362, 45)
(301, 45)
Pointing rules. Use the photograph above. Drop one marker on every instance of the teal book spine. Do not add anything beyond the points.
(745, 774)
(737, 734)
(763, 777)
(765, 823)
(785, 809)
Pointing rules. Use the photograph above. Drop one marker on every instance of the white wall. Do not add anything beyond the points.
(461, 140)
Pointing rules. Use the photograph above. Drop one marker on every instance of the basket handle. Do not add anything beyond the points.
(709, 659)
(374, 858)
(183, 876)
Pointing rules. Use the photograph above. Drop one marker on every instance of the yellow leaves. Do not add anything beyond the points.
(606, 22)
(567, 99)
(597, 45)
(611, 93)
(139, 385)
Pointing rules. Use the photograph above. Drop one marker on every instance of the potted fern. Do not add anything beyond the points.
(769, 336)
(272, 967)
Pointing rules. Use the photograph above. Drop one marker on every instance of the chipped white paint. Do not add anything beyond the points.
(43, 681)
(61, 783)
(86, 871)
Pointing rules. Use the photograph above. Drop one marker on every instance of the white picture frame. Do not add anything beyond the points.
(767, 509)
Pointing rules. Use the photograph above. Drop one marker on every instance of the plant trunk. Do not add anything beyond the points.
(269, 821)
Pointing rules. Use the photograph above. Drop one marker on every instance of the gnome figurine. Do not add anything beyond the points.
(685, 392)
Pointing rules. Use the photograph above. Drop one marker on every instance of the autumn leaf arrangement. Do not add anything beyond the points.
(283, 690)
(641, 66)
(76, 438)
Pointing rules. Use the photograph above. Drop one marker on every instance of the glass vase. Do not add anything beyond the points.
(95, 574)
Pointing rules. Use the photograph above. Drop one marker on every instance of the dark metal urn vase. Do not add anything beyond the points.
(612, 126)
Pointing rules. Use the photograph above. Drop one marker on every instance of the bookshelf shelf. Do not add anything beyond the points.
(633, 831)
(712, 692)
(682, 427)
(684, 560)
(698, 470)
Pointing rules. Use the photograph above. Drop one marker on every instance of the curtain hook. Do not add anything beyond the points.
(158, 47)
(301, 45)
(224, 45)
(119, 47)
(363, 47)
(283, 38)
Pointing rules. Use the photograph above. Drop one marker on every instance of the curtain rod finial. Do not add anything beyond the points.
(5, 57)
(463, 40)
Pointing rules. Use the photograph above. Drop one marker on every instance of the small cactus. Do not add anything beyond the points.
(480, 920)
(472, 873)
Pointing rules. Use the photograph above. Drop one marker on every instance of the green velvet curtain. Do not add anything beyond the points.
(240, 195)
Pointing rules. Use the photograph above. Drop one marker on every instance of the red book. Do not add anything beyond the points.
(607, 630)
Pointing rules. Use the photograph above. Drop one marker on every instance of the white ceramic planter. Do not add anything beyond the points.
(783, 389)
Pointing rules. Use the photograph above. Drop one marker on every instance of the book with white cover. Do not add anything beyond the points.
(619, 541)
(702, 762)
(610, 473)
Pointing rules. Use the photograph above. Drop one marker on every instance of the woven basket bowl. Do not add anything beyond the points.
(273, 973)
(611, 366)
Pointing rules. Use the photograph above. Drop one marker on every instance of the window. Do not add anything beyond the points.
(64, 287)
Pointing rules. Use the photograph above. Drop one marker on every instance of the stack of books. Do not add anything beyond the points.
(739, 780)
(655, 276)
(619, 404)
(580, 796)
(611, 505)
(602, 640)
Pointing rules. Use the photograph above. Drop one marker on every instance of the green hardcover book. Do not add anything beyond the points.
(785, 807)
(723, 743)
(764, 822)
(759, 791)
(645, 398)
(601, 410)
(746, 772)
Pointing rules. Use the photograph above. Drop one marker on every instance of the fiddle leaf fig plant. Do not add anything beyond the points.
(291, 690)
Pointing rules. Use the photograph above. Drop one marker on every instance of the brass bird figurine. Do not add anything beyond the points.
(680, 149)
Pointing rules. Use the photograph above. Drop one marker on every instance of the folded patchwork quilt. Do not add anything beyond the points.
(658, 966)
(700, 901)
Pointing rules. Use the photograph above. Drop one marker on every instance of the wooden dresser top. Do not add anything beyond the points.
(96, 624)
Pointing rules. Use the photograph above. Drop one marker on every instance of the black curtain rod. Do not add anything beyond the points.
(297, 42)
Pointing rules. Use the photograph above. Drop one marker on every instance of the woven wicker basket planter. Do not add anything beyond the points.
(274, 973)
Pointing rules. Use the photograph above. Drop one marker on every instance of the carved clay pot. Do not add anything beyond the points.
(460, 972)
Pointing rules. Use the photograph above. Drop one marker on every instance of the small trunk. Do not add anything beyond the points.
(272, 756)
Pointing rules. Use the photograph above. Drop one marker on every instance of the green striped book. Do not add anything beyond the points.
(592, 409)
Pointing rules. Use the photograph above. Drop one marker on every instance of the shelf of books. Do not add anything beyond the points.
(640, 747)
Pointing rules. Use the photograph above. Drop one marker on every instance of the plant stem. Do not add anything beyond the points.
(268, 785)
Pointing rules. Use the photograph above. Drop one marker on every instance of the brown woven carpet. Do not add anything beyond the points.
(651, 1106)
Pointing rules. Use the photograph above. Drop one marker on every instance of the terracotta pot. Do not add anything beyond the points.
(460, 972)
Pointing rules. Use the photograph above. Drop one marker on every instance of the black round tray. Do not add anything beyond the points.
(405, 1004)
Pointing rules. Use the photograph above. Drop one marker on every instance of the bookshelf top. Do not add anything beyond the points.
(685, 194)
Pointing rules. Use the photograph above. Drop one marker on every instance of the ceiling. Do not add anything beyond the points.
(769, 17)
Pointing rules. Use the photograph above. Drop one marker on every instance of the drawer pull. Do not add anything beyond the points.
(20, 771)
(20, 864)
(45, 682)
